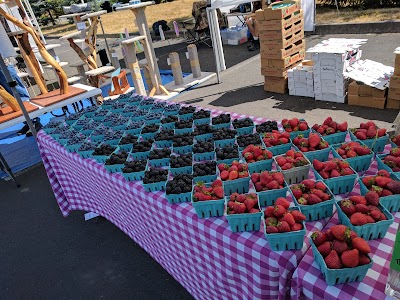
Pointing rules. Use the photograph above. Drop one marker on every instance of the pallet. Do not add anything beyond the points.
(285, 62)
(281, 24)
(284, 43)
(7, 114)
(279, 72)
(282, 53)
(281, 34)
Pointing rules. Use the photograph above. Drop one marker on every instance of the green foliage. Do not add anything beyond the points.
(363, 3)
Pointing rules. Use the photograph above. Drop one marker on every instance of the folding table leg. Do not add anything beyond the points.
(6, 168)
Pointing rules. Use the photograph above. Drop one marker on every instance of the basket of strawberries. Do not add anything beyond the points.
(314, 199)
(331, 131)
(269, 187)
(386, 186)
(341, 255)
(277, 142)
(295, 127)
(357, 154)
(235, 177)
(395, 141)
(257, 158)
(313, 147)
(208, 199)
(336, 174)
(365, 215)
(243, 212)
(284, 227)
(372, 136)
(294, 166)
(390, 162)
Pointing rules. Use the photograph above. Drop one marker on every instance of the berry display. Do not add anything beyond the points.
(160, 153)
(240, 123)
(248, 139)
(180, 140)
(393, 159)
(179, 184)
(87, 146)
(117, 158)
(183, 160)
(82, 121)
(150, 128)
(61, 129)
(279, 218)
(100, 130)
(312, 143)
(68, 134)
(91, 125)
(91, 108)
(104, 149)
(233, 171)
(113, 135)
(310, 192)
(134, 166)
(205, 168)
(201, 114)
(227, 152)
(154, 175)
(275, 138)
(224, 134)
(266, 180)
(159, 104)
(267, 126)
(142, 146)
(128, 139)
(256, 153)
(332, 168)
(352, 149)
(221, 119)
(243, 204)
(164, 135)
(294, 125)
(169, 119)
(291, 159)
(368, 130)
(109, 102)
(202, 192)
(184, 124)
(187, 110)
(382, 184)
(203, 146)
(330, 127)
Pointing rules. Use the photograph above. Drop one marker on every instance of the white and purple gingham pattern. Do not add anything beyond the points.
(204, 255)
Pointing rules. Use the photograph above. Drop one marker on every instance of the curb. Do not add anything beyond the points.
(358, 28)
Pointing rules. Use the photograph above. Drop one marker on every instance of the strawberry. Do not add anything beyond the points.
(318, 165)
(279, 211)
(297, 193)
(362, 150)
(360, 135)
(293, 122)
(222, 167)
(273, 185)
(258, 186)
(283, 226)
(363, 260)
(394, 187)
(342, 126)
(372, 198)
(318, 193)
(272, 229)
(284, 202)
(377, 189)
(269, 211)
(330, 165)
(358, 219)
(368, 181)
(362, 208)
(241, 198)
(239, 207)
(296, 227)
(308, 183)
(395, 152)
(386, 192)
(303, 126)
(340, 246)
(384, 173)
(350, 258)
(234, 196)
(255, 177)
(320, 186)
(302, 201)
(325, 248)
(278, 177)
(254, 210)
(347, 207)
(361, 245)
(327, 121)
(347, 171)
(340, 232)
(357, 199)
(314, 139)
(318, 237)
(271, 221)
(382, 181)
(332, 260)
(224, 175)
(219, 192)
(289, 219)
(381, 132)
(369, 219)
(335, 173)
(376, 215)
(250, 203)
(216, 183)
(298, 216)
(313, 199)
(233, 175)
(231, 204)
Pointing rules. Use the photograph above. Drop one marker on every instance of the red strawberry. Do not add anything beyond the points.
(272, 229)
(320, 186)
(273, 185)
(314, 199)
(278, 177)
(384, 173)
(241, 198)
(254, 210)
(335, 173)
(327, 121)
(360, 135)
(325, 248)
(361, 245)
(376, 215)
(234, 196)
(231, 204)
(303, 126)
(298, 216)
(347, 207)
(314, 139)
(255, 177)
(233, 175)
(250, 203)
(358, 199)
(222, 167)
(394, 187)
(330, 165)
(363, 260)
(332, 260)
(302, 201)
(293, 122)
(382, 181)
(372, 198)
(259, 187)
(386, 192)
(318, 193)
(350, 258)
(395, 152)
(342, 126)
(308, 183)
(329, 235)
(318, 165)
(347, 171)
(362, 208)
(269, 211)
(371, 132)
(282, 201)
(279, 211)
(289, 219)
(224, 175)
(358, 219)
(271, 221)
(340, 246)
(283, 226)
(318, 237)
(340, 232)
(219, 192)
(381, 132)
(297, 193)
(377, 189)
(296, 227)
(239, 207)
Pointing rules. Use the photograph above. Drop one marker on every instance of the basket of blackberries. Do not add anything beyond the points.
(88, 128)
(100, 114)
(186, 112)
(138, 114)
(168, 122)
(134, 169)
(85, 149)
(179, 189)
(52, 125)
(73, 144)
(163, 138)
(221, 121)
(120, 123)
(155, 179)
(130, 98)
(103, 151)
(243, 126)
(182, 143)
(159, 157)
(147, 103)
(171, 109)
(128, 110)
(224, 137)
(112, 137)
(97, 134)
(149, 131)
(201, 117)
(183, 126)
(203, 132)
(59, 130)
(126, 142)
(78, 124)
(204, 150)
(181, 164)
(134, 127)
(152, 118)
(118, 107)
(267, 126)
(141, 149)
(205, 171)
(66, 135)
(249, 139)
(227, 154)
(108, 104)
(158, 106)
(116, 161)
(89, 111)
(71, 119)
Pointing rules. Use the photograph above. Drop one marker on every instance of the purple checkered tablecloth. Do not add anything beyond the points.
(204, 255)
(309, 283)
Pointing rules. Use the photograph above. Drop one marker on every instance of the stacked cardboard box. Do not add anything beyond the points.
(363, 95)
(281, 34)
(393, 100)
(301, 81)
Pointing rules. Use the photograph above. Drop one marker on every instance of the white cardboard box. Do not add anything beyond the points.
(330, 98)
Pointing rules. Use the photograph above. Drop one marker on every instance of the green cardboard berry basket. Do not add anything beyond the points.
(334, 138)
(283, 241)
(201, 121)
(182, 149)
(368, 231)
(278, 149)
(208, 208)
(223, 143)
(267, 198)
(339, 185)
(181, 170)
(317, 211)
(240, 185)
(304, 133)
(383, 166)
(339, 276)
(204, 137)
(376, 145)
(243, 222)
(245, 130)
(358, 163)
(223, 125)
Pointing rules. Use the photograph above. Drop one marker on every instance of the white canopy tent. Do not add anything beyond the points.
(309, 25)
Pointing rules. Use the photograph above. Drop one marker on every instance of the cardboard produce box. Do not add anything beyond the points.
(285, 62)
(367, 101)
(281, 34)
(397, 65)
(365, 90)
(394, 82)
(281, 44)
(276, 85)
(394, 94)
(393, 104)
(282, 53)
(281, 24)
(281, 9)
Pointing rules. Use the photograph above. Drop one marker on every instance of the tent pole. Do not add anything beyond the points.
(217, 43)
(32, 14)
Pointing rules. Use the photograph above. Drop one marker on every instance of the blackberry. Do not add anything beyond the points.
(206, 168)
(245, 140)
(160, 153)
(267, 126)
(240, 123)
(183, 160)
(224, 134)
(134, 166)
(227, 152)
(179, 184)
(221, 119)
(203, 146)
(154, 175)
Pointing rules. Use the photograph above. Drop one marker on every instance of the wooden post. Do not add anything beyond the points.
(176, 68)
(194, 61)
(133, 65)
(147, 77)
(9, 99)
